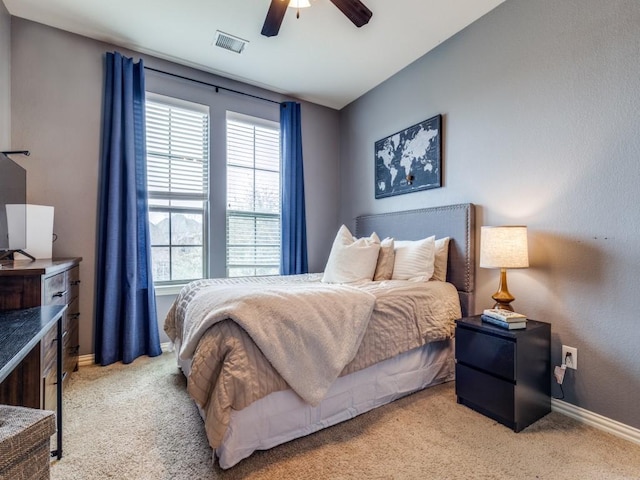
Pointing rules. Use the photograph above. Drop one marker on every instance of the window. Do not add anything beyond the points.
(253, 196)
(177, 181)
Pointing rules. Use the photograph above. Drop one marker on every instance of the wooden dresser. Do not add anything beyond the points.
(30, 367)
(25, 284)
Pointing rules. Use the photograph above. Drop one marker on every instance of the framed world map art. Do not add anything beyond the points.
(410, 160)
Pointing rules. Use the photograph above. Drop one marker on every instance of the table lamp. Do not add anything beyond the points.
(503, 247)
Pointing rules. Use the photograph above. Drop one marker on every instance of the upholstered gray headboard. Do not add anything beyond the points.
(454, 221)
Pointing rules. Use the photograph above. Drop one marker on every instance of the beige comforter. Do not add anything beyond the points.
(308, 331)
(229, 370)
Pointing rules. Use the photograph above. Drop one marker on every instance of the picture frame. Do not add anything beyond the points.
(409, 160)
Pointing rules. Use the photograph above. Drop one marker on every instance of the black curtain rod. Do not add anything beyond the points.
(17, 152)
(217, 87)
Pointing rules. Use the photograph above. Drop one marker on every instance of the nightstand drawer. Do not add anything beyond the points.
(485, 392)
(487, 352)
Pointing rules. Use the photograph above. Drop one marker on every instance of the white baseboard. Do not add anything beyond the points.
(596, 420)
(89, 359)
(86, 360)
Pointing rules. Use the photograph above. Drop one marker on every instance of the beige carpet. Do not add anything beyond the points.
(136, 422)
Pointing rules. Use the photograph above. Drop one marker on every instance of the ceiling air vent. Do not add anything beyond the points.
(229, 42)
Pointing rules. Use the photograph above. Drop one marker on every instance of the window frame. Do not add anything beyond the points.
(168, 286)
(256, 215)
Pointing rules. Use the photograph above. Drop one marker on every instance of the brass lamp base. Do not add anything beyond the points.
(503, 297)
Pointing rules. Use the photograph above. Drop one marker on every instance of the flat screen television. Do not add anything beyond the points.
(13, 213)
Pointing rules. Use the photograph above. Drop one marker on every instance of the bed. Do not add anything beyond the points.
(250, 403)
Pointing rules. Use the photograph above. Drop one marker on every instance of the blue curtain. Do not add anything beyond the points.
(293, 258)
(126, 318)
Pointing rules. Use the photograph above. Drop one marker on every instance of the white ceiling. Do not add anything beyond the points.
(320, 57)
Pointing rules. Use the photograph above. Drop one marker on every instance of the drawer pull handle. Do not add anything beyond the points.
(64, 334)
(59, 294)
(64, 375)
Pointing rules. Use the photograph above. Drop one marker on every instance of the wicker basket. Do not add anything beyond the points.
(24, 443)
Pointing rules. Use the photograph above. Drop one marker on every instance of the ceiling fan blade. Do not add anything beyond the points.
(355, 10)
(274, 18)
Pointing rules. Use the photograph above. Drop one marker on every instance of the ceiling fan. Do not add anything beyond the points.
(354, 10)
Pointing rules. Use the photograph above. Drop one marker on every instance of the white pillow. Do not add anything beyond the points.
(441, 258)
(386, 257)
(414, 259)
(351, 260)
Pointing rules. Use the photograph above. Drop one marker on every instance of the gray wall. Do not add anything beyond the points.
(541, 127)
(5, 78)
(56, 113)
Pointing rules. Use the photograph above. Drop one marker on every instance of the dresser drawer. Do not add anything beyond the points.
(55, 290)
(70, 358)
(495, 396)
(73, 281)
(70, 318)
(49, 349)
(73, 311)
(491, 353)
(49, 386)
(72, 347)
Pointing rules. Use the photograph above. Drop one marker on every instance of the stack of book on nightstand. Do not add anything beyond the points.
(504, 318)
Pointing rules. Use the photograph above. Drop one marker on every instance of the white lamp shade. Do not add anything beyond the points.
(299, 4)
(504, 247)
(30, 229)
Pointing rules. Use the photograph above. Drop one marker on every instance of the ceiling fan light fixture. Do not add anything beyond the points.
(298, 4)
(354, 10)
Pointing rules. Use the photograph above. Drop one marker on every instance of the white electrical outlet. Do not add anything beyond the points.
(572, 360)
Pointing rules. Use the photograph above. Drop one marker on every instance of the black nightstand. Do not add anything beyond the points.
(504, 374)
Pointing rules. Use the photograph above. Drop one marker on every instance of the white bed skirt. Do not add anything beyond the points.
(283, 416)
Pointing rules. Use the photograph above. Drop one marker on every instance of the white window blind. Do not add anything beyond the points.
(253, 196)
(177, 181)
